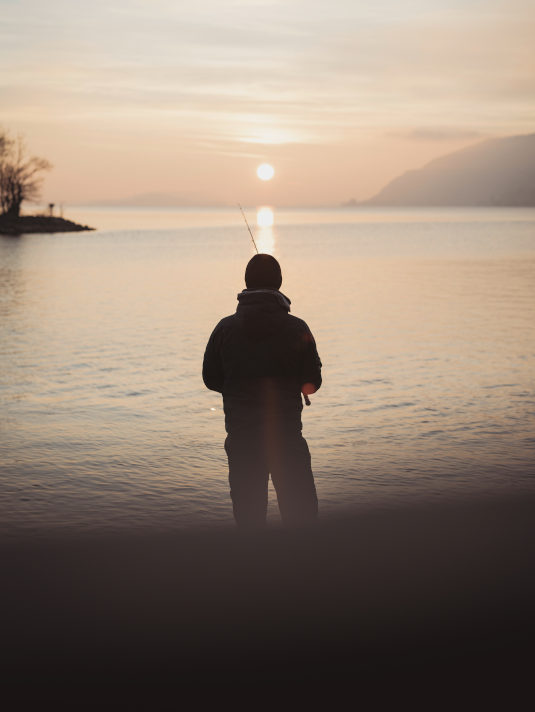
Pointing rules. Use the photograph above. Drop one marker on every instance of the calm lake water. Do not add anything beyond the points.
(424, 321)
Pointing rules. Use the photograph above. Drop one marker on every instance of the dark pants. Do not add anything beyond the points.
(255, 454)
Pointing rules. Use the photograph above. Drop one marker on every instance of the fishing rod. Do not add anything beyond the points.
(305, 396)
(250, 232)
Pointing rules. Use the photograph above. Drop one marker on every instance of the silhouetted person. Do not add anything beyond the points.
(261, 359)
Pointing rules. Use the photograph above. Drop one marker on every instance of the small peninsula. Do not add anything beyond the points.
(20, 181)
(23, 224)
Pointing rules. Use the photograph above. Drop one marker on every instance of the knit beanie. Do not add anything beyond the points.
(263, 272)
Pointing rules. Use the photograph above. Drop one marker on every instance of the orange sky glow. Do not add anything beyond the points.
(131, 97)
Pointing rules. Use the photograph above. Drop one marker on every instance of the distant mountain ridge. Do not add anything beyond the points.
(494, 172)
(154, 200)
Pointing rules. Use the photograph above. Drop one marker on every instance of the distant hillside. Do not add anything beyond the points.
(497, 172)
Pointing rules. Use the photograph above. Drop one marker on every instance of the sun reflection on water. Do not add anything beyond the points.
(265, 238)
(265, 217)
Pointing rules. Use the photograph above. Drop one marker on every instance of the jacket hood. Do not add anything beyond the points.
(263, 298)
(262, 312)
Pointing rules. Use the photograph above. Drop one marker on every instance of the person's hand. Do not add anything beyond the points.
(307, 389)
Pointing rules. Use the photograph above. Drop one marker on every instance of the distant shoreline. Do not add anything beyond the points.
(38, 224)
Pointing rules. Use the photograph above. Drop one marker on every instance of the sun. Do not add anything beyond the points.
(265, 171)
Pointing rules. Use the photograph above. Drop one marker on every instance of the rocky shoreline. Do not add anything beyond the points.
(38, 224)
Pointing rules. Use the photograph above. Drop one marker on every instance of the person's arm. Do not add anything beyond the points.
(212, 369)
(311, 374)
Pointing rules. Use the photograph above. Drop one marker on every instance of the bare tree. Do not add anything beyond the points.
(20, 174)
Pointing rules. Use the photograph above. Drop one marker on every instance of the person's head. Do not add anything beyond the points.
(263, 272)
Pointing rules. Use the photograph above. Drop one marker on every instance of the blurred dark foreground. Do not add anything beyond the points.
(435, 592)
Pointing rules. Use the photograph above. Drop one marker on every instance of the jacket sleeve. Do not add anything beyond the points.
(212, 368)
(311, 361)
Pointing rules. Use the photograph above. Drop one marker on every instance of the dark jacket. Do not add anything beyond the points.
(259, 358)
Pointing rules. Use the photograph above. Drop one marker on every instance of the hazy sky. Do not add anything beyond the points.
(139, 96)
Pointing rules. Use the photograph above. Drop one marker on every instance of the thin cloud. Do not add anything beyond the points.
(438, 134)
